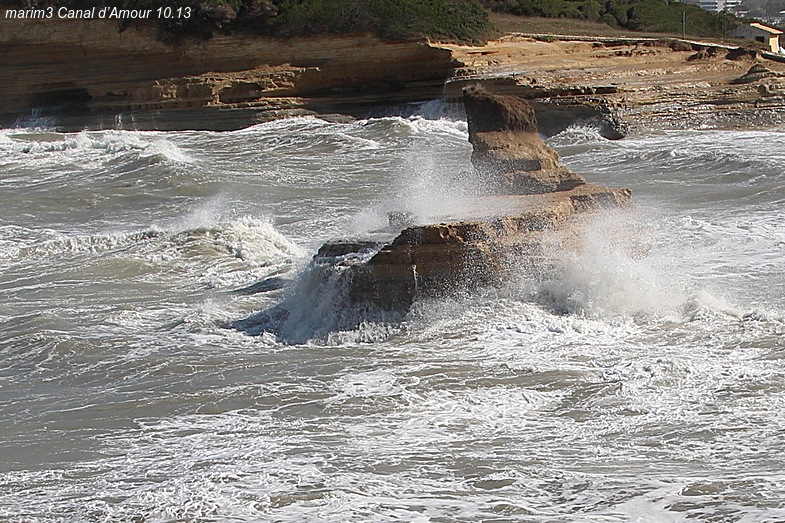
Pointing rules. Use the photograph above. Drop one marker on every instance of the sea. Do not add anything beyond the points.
(142, 379)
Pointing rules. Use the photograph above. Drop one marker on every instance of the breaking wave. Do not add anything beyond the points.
(621, 384)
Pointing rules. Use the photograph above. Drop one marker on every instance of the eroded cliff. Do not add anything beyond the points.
(628, 85)
(89, 73)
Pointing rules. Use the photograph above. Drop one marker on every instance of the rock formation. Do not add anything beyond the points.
(609, 85)
(508, 151)
(88, 74)
(755, 73)
(530, 217)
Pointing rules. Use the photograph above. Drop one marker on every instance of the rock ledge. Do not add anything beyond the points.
(533, 213)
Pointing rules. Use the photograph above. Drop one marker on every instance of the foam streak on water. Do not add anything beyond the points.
(640, 379)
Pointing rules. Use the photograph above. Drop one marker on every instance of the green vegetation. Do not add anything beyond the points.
(456, 20)
(447, 20)
(464, 21)
(656, 16)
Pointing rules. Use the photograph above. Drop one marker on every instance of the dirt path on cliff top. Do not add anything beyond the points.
(629, 66)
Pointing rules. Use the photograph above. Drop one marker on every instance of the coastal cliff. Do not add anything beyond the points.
(628, 85)
(90, 74)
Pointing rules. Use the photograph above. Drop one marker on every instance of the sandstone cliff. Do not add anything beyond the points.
(92, 75)
(88, 72)
(628, 85)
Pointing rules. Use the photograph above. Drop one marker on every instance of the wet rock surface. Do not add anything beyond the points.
(534, 213)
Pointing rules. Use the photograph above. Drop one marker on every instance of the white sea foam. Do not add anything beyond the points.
(45, 147)
(250, 240)
(615, 270)
(419, 126)
(626, 393)
(578, 135)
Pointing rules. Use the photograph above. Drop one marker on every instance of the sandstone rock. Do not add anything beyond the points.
(680, 45)
(772, 89)
(491, 239)
(85, 71)
(539, 206)
(541, 181)
(704, 54)
(741, 53)
(758, 68)
(486, 112)
(440, 259)
(508, 151)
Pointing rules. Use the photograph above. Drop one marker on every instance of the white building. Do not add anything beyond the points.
(717, 5)
(760, 33)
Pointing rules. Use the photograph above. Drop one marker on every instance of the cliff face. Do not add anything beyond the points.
(83, 69)
(623, 86)
(92, 75)
(507, 149)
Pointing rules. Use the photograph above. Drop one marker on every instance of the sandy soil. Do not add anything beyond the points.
(632, 86)
(631, 66)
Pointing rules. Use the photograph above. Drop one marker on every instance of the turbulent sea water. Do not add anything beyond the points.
(622, 388)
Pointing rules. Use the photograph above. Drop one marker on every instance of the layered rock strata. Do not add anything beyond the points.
(93, 74)
(87, 72)
(532, 217)
(461, 256)
(623, 87)
(507, 149)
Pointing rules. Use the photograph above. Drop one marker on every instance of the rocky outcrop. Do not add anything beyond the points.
(92, 74)
(607, 84)
(740, 53)
(438, 260)
(524, 226)
(507, 149)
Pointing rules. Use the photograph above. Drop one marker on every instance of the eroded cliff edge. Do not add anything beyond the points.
(89, 74)
(629, 85)
(92, 75)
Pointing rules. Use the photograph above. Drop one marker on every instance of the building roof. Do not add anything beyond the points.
(766, 28)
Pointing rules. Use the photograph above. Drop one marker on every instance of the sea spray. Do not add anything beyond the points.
(318, 304)
(613, 270)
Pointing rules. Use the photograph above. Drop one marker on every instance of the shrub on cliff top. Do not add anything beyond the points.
(451, 20)
(665, 16)
(455, 20)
